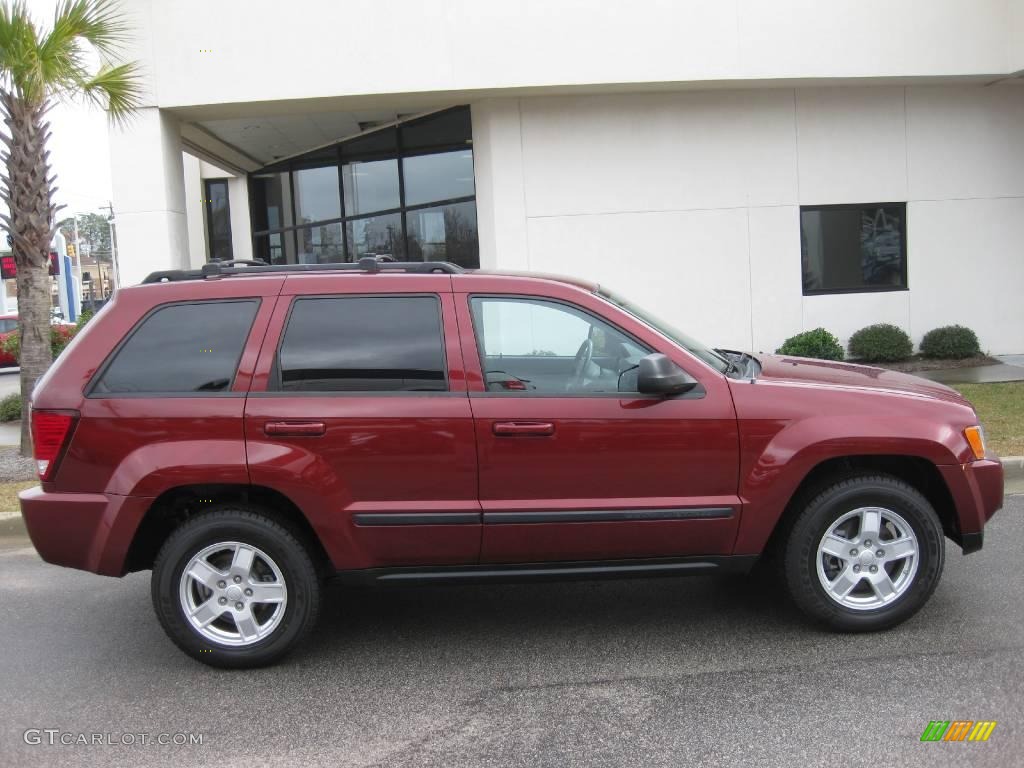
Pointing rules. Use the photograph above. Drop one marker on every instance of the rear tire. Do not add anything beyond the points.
(865, 554)
(233, 588)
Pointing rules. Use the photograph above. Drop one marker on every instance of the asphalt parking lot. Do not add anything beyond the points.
(663, 672)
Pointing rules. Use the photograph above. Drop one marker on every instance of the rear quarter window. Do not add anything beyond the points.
(181, 348)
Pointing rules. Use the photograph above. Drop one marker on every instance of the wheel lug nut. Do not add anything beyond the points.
(880, 553)
(874, 568)
(239, 606)
(867, 543)
(248, 593)
(223, 601)
(237, 579)
(221, 584)
(853, 552)
(856, 569)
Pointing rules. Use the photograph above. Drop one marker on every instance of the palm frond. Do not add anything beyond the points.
(98, 22)
(115, 88)
(19, 51)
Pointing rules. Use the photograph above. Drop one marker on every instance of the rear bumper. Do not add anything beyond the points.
(88, 531)
(977, 490)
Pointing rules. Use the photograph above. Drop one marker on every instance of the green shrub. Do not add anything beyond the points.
(83, 318)
(818, 343)
(60, 337)
(10, 407)
(881, 342)
(951, 341)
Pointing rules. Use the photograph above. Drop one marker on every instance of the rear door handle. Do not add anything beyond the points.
(295, 428)
(523, 428)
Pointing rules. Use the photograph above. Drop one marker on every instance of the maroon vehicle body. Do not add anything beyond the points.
(488, 461)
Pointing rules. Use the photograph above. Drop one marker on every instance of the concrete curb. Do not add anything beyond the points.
(1013, 467)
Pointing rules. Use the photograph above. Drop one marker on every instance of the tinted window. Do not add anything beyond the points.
(358, 344)
(540, 346)
(853, 248)
(182, 348)
(218, 219)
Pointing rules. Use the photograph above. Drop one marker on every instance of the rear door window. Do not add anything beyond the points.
(180, 348)
(363, 344)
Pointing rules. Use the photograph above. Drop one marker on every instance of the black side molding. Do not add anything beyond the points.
(558, 571)
(416, 518)
(608, 515)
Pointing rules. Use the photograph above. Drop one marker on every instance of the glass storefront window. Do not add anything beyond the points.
(370, 186)
(376, 236)
(320, 244)
(316, 194)
(444, 233)
(272, 201)
(386, 198)
(441, 176)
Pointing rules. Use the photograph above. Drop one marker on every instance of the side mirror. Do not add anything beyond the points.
(657, 375)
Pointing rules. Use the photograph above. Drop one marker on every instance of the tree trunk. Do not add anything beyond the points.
(27, 192)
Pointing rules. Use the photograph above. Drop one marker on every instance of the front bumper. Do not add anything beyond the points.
(88, 531)
(977, 490)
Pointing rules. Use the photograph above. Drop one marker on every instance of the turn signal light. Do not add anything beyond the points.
(976, 439)
(50, 431)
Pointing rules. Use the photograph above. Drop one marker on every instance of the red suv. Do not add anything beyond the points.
(248, 431)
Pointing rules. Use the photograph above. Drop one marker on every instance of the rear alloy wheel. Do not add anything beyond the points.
(866, 553)
(234, 588)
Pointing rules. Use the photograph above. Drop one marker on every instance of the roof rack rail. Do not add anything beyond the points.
(367, 264)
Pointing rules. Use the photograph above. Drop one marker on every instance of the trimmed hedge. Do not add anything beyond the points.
(818, 343)
(953, 342)
(881, 342)
(10, 407)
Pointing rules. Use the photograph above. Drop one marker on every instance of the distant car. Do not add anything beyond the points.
(8, 323)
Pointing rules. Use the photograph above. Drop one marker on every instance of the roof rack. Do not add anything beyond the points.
(367, 264)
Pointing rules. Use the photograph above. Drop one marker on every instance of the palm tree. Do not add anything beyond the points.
(37, 69)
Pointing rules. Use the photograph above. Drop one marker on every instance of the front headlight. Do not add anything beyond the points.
(976, 439)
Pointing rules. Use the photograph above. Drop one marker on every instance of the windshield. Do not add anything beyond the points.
(688, 343)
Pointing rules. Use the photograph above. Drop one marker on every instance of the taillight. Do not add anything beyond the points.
(50, 431)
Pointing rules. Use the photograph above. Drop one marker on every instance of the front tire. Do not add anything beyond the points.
(865, 554)
(233, 588)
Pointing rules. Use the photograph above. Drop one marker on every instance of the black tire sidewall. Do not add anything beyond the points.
(235, 524)
(829, 506)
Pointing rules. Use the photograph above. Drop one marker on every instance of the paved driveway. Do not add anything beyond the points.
(643, 673)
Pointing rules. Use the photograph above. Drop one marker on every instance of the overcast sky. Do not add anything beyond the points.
(79, 154)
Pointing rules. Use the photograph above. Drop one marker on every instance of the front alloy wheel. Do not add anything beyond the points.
(865, 553)
(867, 558)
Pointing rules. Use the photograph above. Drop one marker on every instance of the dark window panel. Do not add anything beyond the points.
(374, 145)
(444, 233)
(316, 194)
(182, 348)
(363, 345)
(440, 176)
(320, 244)
(275, 248)
(370, 186)
(444, 129)
(218, 220)
(271, 201)
(853, 248)
(376, 236)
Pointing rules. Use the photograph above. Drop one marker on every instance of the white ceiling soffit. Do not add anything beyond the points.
(266, 139)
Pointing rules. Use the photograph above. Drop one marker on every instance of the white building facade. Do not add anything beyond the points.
(747, 170)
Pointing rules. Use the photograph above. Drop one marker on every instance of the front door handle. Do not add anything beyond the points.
(523, 428)
(295, 428)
